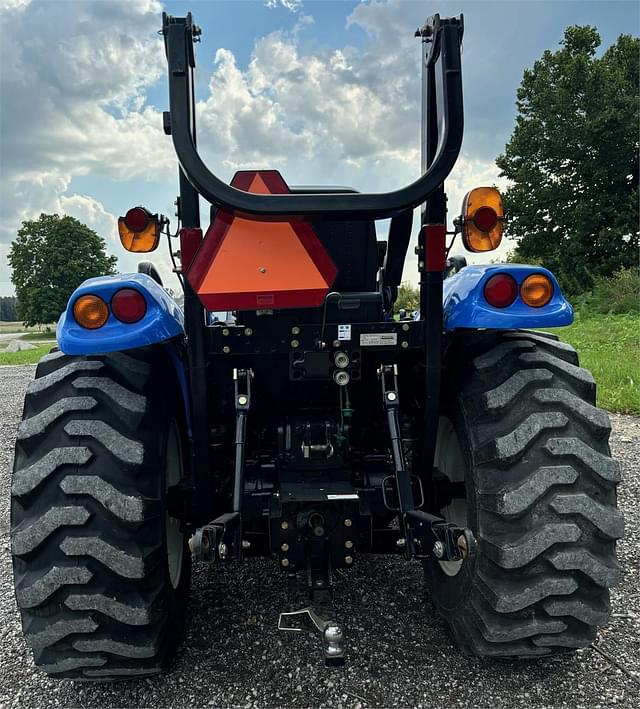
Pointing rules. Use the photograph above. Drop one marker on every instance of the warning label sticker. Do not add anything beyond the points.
(378, 339)
(344, 332)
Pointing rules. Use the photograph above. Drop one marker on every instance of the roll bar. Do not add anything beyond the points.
(441, 40)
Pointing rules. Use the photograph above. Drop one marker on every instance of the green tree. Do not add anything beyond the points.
(408, 298)
(50, 257)
(8, 308)
(572, 160)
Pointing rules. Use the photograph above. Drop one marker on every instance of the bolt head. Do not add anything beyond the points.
(248, 331)
(225, 332)
(405, 327)
(295, 343)
(348, 560)
(285, 562)
(404, 344)
(391, 396)
(438, 550)
(348, 544)
(284, 525)
(262, 269)
(347, 522)
(295, 330)
(401, 542)
(336, 343)
(284, 547)
(242, 400)
(226, 349)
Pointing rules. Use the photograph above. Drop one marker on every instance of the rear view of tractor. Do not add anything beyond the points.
(286, 412)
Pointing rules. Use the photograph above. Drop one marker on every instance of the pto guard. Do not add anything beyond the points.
(464, 304)
(162, 321)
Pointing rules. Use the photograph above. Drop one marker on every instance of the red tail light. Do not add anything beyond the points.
(500, 290)
(128, 305)
(137, 219)
(485, 218)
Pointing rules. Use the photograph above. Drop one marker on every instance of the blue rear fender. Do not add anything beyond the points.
(464, 304)
(162, 321)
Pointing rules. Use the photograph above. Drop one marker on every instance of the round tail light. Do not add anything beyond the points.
(90, 311)
(137, 219)
(485, 218)
(536, 290)
(128, 305)
(500, 290)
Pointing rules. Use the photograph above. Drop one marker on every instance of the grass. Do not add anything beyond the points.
(25, 357)
(609, 346)
(51, 335)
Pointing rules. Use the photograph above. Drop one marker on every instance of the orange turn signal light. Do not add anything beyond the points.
(90, 311)
(139, 230)
(482, 219)
(536, 290)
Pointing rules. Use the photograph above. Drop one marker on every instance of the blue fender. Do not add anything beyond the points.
(464, 304)
(163, 320)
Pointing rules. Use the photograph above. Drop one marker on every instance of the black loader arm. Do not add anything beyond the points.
(441, 50)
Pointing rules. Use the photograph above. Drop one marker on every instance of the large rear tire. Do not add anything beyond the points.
(520, 429)
(101, 570)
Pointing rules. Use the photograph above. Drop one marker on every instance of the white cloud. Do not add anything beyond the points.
(322, 116)
(291, 5)
(73, 82)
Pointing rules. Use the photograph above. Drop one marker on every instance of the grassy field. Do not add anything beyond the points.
(26, 357)
(49, 335)
(608, 345)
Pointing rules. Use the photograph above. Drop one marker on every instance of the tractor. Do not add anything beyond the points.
(286, 410)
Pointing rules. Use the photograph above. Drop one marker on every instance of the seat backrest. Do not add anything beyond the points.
(354, 250)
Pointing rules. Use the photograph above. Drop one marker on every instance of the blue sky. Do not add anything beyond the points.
(327, 92)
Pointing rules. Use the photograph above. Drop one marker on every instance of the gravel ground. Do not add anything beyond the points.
(399, 653)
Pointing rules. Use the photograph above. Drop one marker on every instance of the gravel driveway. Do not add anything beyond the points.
(399, 653)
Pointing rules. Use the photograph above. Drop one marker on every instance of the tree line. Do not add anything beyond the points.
(8, 311)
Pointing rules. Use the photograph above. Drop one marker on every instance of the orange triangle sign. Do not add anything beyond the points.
(244, 264)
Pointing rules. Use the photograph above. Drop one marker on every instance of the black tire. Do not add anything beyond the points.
(540, 498)
(88, 521)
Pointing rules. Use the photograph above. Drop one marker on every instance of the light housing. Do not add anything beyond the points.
(139, 230)
(482, 219)
(128, 305)
(501, 290)
(90, 311)
(536, 290)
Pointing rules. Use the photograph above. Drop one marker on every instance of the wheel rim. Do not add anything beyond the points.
(173, 475)
(449, 459)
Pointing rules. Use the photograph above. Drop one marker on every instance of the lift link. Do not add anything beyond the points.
(221, 539)
(388, 374)
(425, 535)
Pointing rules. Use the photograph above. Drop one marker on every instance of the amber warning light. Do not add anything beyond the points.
(482, 219)
(139, 230)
